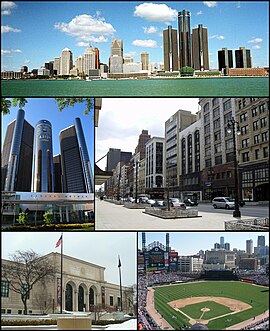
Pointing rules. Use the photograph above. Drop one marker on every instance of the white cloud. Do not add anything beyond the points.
(255, 40)
(238, 4)
(130, 54)
(87, 28)
(216, 36)
(6, 12)
(256, 47)
(6, 7)
(9, 51)
(150, 29)
(145, 43)
(6, 28)
(210, 4)
(27, 61)
(199, 12)
(155, 12)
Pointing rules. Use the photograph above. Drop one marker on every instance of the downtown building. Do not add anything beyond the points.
(184, 43)
(170, 49)
(116, 59)
(200, 57)
(225, 60)
(81, 292)
(66, 62)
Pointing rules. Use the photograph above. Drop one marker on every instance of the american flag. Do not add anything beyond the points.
(59, 242)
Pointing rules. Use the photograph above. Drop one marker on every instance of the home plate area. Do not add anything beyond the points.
(205, 309)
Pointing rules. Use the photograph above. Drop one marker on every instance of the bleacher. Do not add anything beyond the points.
(218, 274)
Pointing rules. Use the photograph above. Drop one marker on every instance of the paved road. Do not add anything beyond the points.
(115, 217)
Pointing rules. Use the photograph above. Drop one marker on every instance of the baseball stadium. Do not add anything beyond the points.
(212, 299)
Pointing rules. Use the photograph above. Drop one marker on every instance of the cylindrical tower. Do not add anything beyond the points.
(184, 39)
(86, 165)
(15, 152)
(43, 178)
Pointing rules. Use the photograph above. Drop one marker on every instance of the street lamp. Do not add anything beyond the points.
(136, 165)
(231, 125)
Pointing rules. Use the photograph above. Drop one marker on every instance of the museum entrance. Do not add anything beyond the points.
(69, 298)
(91, 299)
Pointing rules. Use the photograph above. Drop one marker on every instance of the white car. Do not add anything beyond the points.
(223, 202)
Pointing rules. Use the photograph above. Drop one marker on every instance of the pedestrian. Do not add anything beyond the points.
(254, 318)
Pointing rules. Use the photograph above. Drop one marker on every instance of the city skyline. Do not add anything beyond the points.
(117, 121)
(37, 109)
(189, 243)
(82, 246)
(75, 26)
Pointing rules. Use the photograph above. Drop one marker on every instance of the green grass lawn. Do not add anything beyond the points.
(216, 309)
(235, 290)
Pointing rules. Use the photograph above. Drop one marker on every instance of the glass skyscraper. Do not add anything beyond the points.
(184, 39)
(43, 175)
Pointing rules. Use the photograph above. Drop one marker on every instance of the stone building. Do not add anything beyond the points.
(84, 289)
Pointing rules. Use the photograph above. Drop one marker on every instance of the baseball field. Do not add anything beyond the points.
(218, 304)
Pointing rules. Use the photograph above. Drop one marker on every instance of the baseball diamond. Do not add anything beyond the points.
(217, 304)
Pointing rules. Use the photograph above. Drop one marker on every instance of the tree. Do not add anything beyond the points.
(24, 270)
(48, 217)
(187, 71)
(62, 103)
(23, 218)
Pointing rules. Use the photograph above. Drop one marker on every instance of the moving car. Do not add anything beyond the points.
(190, 202)
(175, 202)
(223, 202)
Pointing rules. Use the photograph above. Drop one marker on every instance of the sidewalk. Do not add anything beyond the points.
(115, 217)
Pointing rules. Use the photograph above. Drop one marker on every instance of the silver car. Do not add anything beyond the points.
(223, 202)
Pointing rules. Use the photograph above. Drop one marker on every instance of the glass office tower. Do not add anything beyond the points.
(43, 175)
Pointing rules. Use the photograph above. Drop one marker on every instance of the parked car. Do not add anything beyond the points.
(150, 201)
(143, 199)
(130, 199)
(175, 202)
(223, 202)
(190, 202)
(158, 203)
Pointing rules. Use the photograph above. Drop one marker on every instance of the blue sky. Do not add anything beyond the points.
(189, 243)
(36, 32)
(37, 109)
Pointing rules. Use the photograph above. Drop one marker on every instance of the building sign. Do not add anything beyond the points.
(247, 193)
(58, 292)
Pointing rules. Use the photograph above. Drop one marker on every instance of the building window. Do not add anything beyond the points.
(19, 311)
(227, 117)
(229, 174)
(218, 160)
(217, 148)
(208, 163)
(263, 122)
(207, 129)
(229, 157)
(244, 129)
(229, 144)
(208, 151)
(265, 152)
(227, 105)
(255, 125)
(118, 301)
(4, 288)
(254, 112)
(216, 112)
(252, 100)
(243, 117)
(257, 151)
(214, 102)
(111, 300)
(245, 157)
(264, 136)
(206, 107)
(8, 311)
(207, 140)
(262, 108)
(245, 143)
(257, 139)
(217, 123)
(207, 117)
(3, 311)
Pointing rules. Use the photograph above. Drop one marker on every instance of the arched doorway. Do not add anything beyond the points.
(80, 298)
(69, 298)
(91, 299)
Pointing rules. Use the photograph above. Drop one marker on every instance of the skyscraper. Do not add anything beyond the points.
(17, 155)
(242, 58)
(89, 59)
(249, 246)
(97, 60)
(184, 39)
(57, 173)
(145, 60)
(43, 175)
(114, 156)
(261, 241)
(225, 59)
(75, 162)
(56, 65)
(200, 58)
(221, 242)
(143, 138)
(170, 49)
(116, 58)
(66, 62)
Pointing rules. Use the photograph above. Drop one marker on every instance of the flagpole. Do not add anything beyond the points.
(119, 266)
(61, 307)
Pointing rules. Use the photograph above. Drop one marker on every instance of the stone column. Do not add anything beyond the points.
(86, 300)
(75, 301)
(60, 212)
(67, 216)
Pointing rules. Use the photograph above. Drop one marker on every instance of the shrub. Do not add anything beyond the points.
(47, 218)
(23, 218)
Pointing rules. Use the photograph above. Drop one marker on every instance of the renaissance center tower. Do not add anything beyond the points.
(43, 176)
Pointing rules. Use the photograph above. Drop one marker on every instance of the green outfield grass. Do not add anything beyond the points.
(256, 296)
(216, 309)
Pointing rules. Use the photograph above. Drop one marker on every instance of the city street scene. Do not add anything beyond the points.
(182, 164)
(47, 157)
(68, 281)
(203, 281)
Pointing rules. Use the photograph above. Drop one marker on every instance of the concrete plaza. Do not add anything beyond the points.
(116, 217)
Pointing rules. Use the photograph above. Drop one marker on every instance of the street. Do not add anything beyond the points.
(116, 217)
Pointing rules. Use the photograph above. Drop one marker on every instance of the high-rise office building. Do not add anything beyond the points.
(79, 64)
(261, 241)
(249, 246)
(89, 59)
(143, 138)
(116, 58)
(56, 65)
(222, 242)
(184, 39)
(114, 156)
(225, 59)
(43, 175)
(57, 173)
(200, 58)
(170, 49)
(66, 62)
(242, 58)
(75, 162)
(97, 60)
(17, 155)
(145, 60)
(227, 246)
